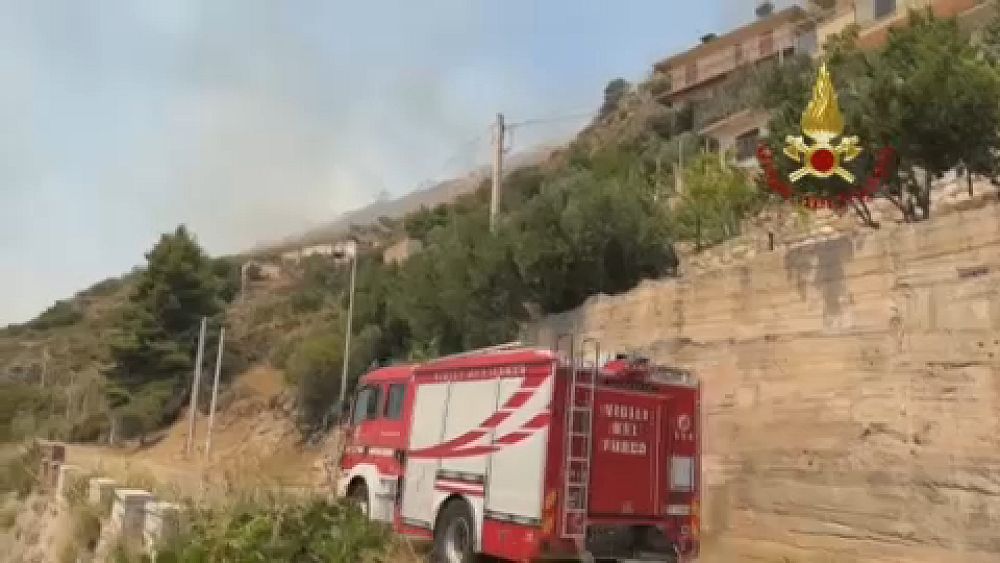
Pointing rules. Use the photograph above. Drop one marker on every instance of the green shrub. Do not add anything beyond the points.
(306, 301)
(420, 223)
(61, 313)
(314, 366)
(102, 288)
(716, 199)
(269, 530)
(90, 428)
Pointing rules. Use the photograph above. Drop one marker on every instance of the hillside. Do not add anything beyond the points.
(599, 216)
(255, 443)
(440, 193)
(63, 338)
(50, 367)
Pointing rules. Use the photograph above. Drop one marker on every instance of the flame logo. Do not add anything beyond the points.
(822, 122)
(822, 119)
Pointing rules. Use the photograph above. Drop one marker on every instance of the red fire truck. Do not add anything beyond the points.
(527, 454)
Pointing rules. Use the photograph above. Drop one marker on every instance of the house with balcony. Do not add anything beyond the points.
(710, 76)
(705, 76)
(876, 17)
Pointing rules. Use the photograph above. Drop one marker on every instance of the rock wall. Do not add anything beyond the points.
(851, 404)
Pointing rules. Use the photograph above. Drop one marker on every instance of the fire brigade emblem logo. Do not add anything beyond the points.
(823, 124)
(823, 153)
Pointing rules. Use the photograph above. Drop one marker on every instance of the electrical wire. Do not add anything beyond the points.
(460, 152)
(509, 127)
(553, 119)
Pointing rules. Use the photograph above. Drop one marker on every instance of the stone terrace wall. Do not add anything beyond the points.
(851, 399)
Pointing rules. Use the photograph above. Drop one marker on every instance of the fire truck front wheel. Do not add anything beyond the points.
(454, 534)
(357, 494)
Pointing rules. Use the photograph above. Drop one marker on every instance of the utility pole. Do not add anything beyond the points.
(45, 364)
(679, 170)
(499, 134)
(69, 393)
(215, 395)
(243, 281)
(194, 386)
(351, 251)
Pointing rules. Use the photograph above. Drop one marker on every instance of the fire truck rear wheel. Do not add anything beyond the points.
(454, 534)
(358, 495)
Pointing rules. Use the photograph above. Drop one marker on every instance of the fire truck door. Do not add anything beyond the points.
(418, 477)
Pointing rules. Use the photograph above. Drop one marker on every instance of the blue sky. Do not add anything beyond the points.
(250, 120)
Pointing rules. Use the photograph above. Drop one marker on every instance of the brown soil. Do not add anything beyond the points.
(255, 443)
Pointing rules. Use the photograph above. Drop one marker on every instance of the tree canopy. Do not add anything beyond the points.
(715, 199)
(153, 352)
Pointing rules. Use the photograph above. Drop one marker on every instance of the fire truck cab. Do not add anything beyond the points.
(527, 455)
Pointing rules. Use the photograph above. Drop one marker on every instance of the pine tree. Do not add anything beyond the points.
(153, 350)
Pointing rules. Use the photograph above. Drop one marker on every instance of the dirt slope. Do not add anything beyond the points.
(254, 444)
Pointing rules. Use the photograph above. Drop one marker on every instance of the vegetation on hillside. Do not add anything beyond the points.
(61, 313)
(600, 221)
(154, 347)
(604, 214)
(715, 201)
(19, 469)
(598, 217)
(279, 530)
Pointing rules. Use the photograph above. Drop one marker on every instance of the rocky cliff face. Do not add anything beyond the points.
(851, 390)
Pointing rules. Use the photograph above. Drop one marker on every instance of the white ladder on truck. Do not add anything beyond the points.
(579, 447)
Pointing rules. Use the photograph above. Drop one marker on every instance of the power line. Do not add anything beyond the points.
(553, 119)
(474, 141)
(458, 153)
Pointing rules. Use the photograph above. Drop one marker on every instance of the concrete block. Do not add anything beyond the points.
(54, 468)
(43, 472)
(128, 514)
(49, 474)
(101, 491)
(162, 524)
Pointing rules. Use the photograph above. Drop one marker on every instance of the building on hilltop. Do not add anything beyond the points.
(401, 251)
(256, 270)
(712, 78)
(696, 73)
(703, 76)
(307, 251)
(876, 17)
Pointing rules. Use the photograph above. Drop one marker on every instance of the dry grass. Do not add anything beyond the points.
(8, 513)
(405, 551)
(84, 533)
(255, 444)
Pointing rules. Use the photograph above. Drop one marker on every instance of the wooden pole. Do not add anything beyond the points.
(192, 409)
(215, 394)
(498, 142)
